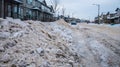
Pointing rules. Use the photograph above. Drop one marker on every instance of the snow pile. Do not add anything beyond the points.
(34, 44)
(12, 28)
(57, 44)
(65, 32)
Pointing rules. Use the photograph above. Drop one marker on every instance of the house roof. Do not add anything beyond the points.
(36, 8)
(51, 7)
(117, 9)
(43, 2)
(19, 1)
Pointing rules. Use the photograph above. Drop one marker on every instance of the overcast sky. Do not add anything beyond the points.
(84, 9)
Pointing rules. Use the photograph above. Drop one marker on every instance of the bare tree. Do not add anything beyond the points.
(55, 4)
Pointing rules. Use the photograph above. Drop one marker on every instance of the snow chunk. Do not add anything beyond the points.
(17, 34)
(40, 51)
(4, 35)
(16, 21)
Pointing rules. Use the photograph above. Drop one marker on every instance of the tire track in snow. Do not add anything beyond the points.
(92, 52)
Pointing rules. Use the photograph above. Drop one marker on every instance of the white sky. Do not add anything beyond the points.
(84, 9)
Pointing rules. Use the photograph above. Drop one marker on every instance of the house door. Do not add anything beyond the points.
(39, 15)
(35, 14)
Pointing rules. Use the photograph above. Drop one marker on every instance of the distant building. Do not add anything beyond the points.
(110, 18)
(26, 9)
(96, 20)
(78, 20)
(117, 16)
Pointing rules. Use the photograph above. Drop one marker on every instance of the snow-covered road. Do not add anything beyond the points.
(97, 45)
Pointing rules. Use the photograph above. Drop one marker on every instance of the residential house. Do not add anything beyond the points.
(96, 20)
(10, 8)
(110, 18)
(26, 9)
(103, 18)
(117, 16)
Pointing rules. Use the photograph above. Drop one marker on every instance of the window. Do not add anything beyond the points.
(29, 1)
(9, 10)
(34, 15)
(43, 7)
(15, 9)
(29, 13)
(21, 13)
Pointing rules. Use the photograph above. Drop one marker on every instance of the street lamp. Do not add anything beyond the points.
(98, 5)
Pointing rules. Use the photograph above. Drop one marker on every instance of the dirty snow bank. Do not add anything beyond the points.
(57, 44)
(34, 44)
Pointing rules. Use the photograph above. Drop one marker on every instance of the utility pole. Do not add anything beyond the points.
(98, 5)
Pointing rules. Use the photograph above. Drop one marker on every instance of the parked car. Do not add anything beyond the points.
(73, 22)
